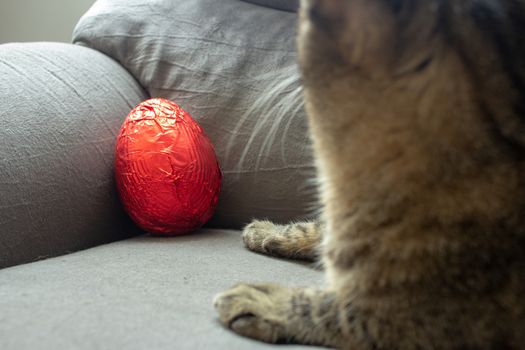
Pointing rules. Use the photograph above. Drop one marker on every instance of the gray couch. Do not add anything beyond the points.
(75, 272)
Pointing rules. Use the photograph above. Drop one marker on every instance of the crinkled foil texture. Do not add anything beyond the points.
(166, 170)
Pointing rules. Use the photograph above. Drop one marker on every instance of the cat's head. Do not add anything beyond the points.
(464, 52)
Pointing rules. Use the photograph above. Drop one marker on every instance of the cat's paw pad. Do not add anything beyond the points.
(253, 311)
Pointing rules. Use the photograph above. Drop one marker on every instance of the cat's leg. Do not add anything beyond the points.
(275, 314)
(296, 241)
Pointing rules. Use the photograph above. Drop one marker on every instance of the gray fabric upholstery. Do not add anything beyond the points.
(61, 107)
(232, 65)
(141, 293)
(285, 5)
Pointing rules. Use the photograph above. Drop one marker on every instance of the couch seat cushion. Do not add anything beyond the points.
(141, 293)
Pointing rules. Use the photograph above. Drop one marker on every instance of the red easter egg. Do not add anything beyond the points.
(166, 170)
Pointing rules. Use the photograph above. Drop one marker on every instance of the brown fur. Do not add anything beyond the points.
(294, 241)
(416, 112)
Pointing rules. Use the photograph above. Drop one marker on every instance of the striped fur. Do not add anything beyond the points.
(417, 113)
(295, 241)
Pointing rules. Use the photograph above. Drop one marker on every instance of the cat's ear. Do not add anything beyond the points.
(360, 32)
(326, 12)
(375, 36)
(333, 10)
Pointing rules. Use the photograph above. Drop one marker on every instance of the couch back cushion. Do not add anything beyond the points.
(232, 66)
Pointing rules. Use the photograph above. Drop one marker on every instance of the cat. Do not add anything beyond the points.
(416, 110)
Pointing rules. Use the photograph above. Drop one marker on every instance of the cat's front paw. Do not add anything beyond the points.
(260, 235)
(255, 311)
(296, 241)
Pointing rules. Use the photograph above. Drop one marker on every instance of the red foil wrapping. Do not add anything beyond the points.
(166, 170)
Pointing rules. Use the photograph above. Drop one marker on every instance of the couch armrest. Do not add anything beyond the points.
(61, 107)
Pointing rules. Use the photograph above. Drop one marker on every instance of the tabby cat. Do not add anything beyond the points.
(417, 113)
